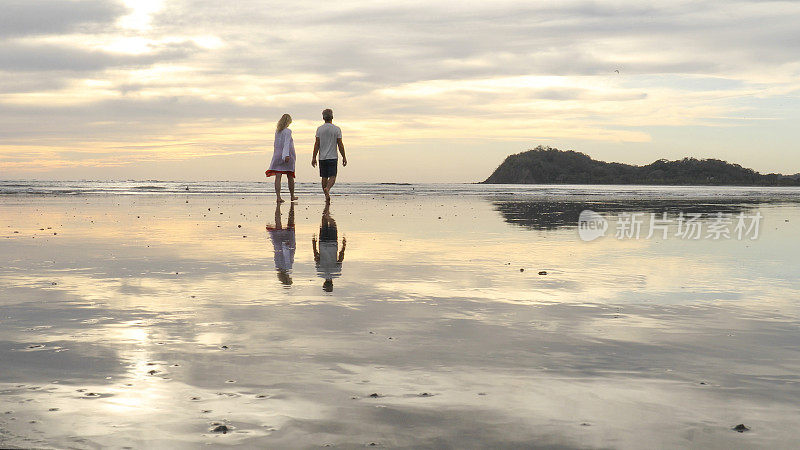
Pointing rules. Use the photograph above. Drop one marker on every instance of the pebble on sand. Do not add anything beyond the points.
(741, 428)
(220, 429)
(542, 272)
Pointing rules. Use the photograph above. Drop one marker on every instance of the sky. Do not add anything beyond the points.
(423, 91)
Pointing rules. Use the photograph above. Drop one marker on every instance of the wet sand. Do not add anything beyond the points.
(151, 321)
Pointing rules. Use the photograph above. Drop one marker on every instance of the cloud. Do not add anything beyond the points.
(406, 71)
(49, 17)
(30, 57)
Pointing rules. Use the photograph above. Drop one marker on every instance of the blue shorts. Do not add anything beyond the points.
(328, 167)
(328, 233)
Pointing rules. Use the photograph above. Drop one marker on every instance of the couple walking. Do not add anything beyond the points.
(329, 139)
(327, 255)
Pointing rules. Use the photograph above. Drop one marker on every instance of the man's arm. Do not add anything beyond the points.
(341, 253)
(340, 144)
(316, 151)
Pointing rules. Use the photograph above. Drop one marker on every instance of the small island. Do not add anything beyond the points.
(546, 165)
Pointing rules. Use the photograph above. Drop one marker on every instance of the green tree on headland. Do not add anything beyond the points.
(546, 165)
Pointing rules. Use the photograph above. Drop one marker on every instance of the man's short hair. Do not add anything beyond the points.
(327, 114)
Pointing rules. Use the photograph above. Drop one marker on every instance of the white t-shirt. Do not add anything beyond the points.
(328, 134)
(329, 266)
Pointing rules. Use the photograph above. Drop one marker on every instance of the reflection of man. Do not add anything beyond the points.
(283, 245)
(328, 257)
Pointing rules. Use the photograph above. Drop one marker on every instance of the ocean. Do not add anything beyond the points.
(152, 187)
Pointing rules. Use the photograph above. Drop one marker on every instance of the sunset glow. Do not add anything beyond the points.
(192, 89)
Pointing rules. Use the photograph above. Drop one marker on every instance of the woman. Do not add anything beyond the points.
(283, 243)
(283, 157)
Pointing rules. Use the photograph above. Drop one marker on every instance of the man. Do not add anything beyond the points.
(328, 257)
(329, 138)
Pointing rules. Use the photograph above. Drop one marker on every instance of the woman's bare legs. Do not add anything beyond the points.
(290, 180)
(278, 221)
(278, 187)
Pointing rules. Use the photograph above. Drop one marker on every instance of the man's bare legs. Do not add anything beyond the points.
(278, 187)
(327, 184)
(290, 180)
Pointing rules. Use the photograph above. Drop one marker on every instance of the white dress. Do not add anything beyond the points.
(283, 245)
(284, 146)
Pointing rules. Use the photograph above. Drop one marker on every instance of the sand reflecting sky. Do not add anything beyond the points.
(146, 320)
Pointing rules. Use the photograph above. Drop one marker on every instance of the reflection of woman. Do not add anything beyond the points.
(283, 245)
(283, 157)
(328, 257)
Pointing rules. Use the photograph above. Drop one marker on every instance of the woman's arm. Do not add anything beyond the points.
(287, 145)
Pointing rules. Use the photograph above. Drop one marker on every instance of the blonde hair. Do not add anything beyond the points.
(283, 123)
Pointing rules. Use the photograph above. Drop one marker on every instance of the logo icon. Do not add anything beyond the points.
(591, 225)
